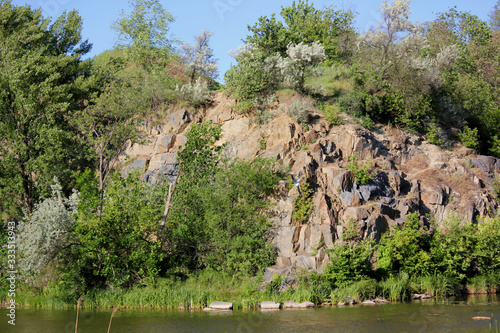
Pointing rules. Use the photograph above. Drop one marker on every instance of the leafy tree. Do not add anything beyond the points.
(495, 17)
(471, 84)
(453, 249)
(185, 229)
(269, 35)
(119, 247)
(303, 24)
(254, 76)
(199, 58)
(144, 31)
(110, 123)
(42, 83)
(218, 217)
(236, 216)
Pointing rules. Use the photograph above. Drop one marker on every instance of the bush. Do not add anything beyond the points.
(348, 263)
(299, 110)
(331, 112)
(469, 137)
(361, 172)
(46, 232)
(197, 94)
(303, 205)
(219, 211)
(407, 250)
(433, 136)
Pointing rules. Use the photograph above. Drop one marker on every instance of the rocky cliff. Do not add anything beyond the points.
(408, 174)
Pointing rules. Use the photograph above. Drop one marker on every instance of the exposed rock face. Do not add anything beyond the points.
(409, 175)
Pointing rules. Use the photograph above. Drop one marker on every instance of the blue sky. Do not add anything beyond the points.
(229, 18)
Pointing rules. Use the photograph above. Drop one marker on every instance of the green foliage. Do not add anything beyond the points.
(302, 23)
(43, 82)
(453, 249)
(262, 143)
(396, 288)
(408, 249)
(350, 233)
(254, 76)
(495, 146)
(361, 172)
(331, 112)
(433, 136)
(143, 31)
(469, 137)
(303, 205)
(348, 263)
(219, 213)
(118, 247)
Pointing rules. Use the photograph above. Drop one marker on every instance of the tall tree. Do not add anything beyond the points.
(303, 23)
(144, 31)
(41, 84)
(199, 58)
(495, 17)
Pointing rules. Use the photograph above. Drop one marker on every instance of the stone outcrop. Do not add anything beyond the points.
(409, 175)
(216, 305)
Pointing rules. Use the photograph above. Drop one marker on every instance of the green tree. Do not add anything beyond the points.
(254, 76)
(453, 249)
(42, 83)
(110, 121)
(144, 31)
(303, 23)
(119, 247)
(218, 217)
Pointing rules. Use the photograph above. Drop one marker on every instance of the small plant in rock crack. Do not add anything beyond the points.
(303, 206)
(361, 170)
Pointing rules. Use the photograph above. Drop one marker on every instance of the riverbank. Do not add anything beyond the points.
(199, 290)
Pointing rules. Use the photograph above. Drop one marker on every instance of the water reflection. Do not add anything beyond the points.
(450, 315)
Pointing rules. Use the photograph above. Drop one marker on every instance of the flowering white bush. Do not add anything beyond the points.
(46, 230)
(197, 94)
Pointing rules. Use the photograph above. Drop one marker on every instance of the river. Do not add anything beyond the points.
(428, 316)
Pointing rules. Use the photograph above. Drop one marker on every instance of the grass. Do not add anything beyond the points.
(199, 290)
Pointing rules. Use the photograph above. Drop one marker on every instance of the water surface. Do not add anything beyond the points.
(430, 316)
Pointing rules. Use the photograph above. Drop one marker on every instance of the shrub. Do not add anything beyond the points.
(300, 61)
(46, 231)
(361, 172)
(197, 94)
(303, 206)
(348, 263)
(433, 135)
(331, 113)
(469, 137)
(299, 110)
(407, 250)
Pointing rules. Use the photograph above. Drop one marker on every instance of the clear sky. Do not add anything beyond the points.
(229, 18)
